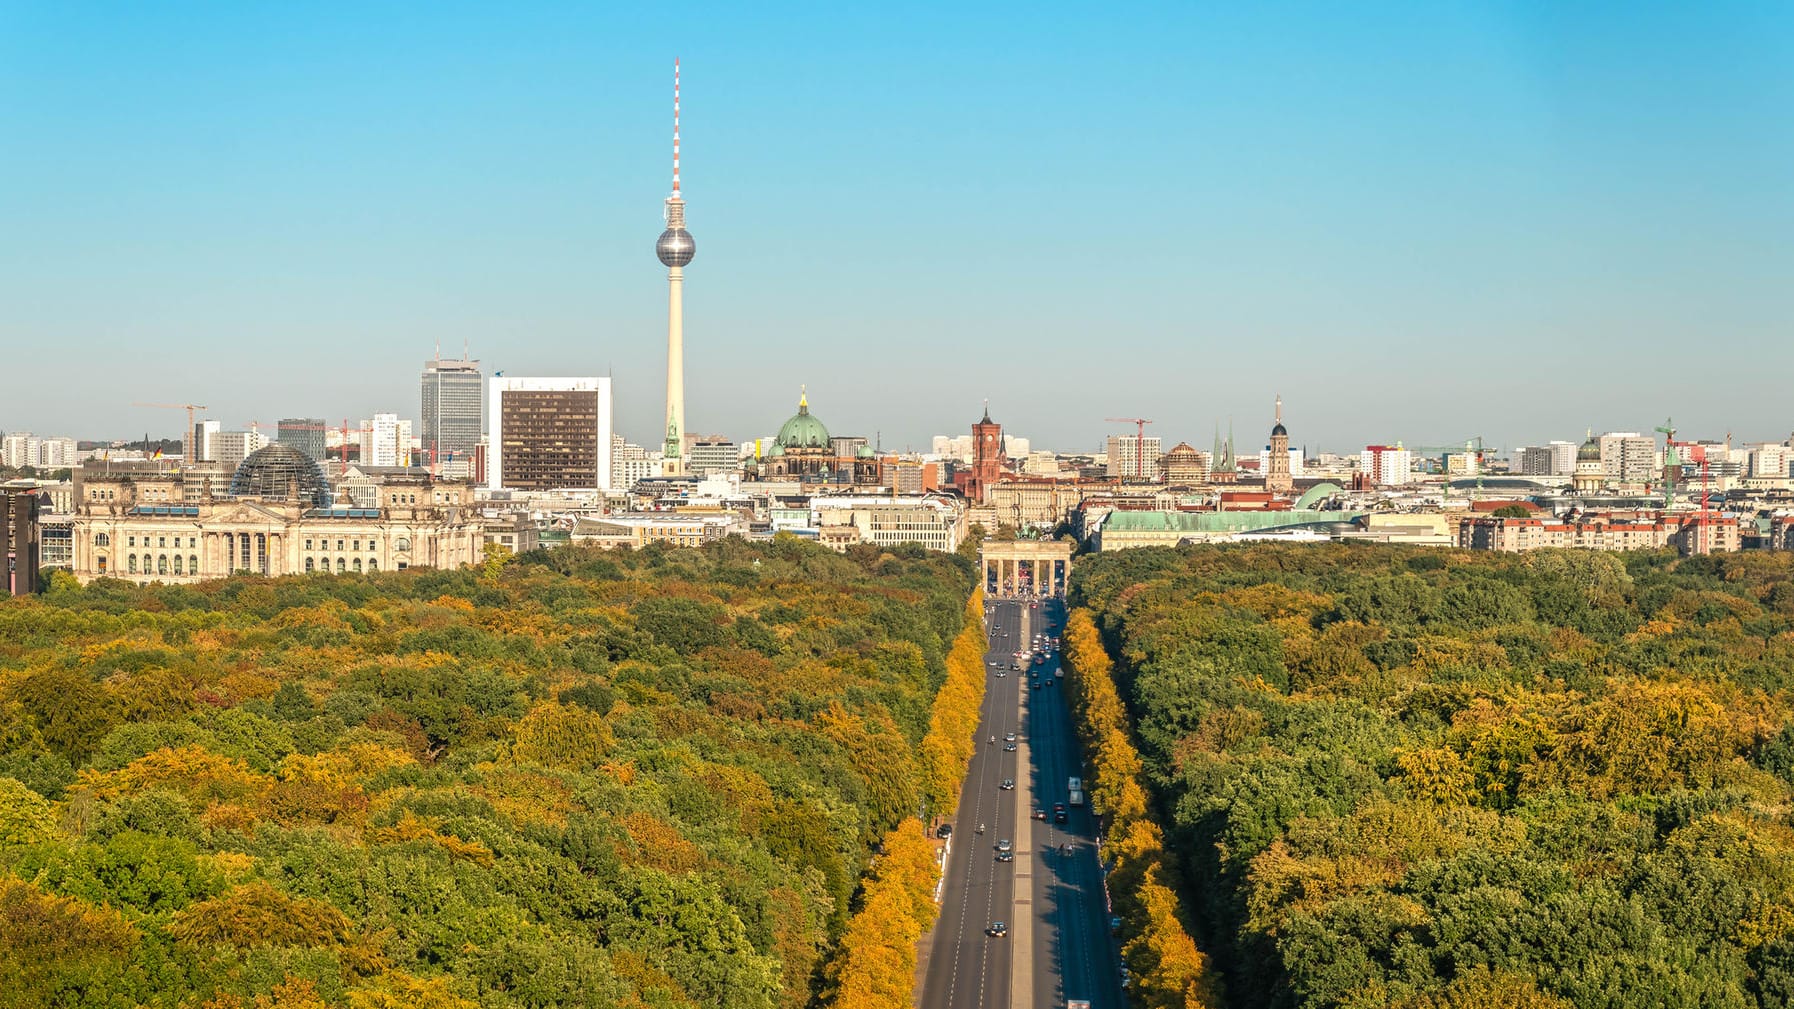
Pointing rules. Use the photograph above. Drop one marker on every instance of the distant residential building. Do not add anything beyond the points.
(303, 433)
(715, 456)
(1547, 460)
(1685, 531)
(908, 476)
(450, 412)
(1770, 460)
(19, 540)
(1133, 457)
(1016, 447)
(22, 448)
(549, 433)
(1386, 465)
(630, 463)
(957, 447)
(205, 437)
(386, 441)
(229, 448)
(1629, 457)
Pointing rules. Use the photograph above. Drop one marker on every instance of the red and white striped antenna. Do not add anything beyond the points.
(675, 128)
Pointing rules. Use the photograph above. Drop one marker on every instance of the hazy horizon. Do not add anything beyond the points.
(1516, 221)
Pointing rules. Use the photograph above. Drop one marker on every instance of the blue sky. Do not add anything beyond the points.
(1416, 221)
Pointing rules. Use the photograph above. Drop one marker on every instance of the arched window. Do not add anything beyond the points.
(404, 543)
(162, 564)
(193, 564)
(358, 565)
(308, 566)
(373, 564)
(102, 540)
(177, 564)
(133, 563)
(341, 565)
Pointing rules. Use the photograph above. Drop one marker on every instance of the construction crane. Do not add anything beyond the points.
(1696, 452)
(1471, 447)
(1672, 463)
(1139, 441)
(187, 435)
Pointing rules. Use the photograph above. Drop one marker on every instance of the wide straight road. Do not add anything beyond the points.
(1058, 946)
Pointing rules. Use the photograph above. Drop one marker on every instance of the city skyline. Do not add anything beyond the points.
(1344, 209)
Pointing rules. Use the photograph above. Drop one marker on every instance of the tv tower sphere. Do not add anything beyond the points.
(675, 247)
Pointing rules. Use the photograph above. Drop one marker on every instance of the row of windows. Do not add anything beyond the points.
(402, 543)
(161, 541)
(162, 565)
(343, 565)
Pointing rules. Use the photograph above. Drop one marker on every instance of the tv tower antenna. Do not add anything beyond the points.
(675, 249)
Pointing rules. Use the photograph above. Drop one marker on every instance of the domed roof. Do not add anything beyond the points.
(1279, 430)
(1182, 452)
(281, 473)
(863, 452)
(1589, 452)
(802, 430)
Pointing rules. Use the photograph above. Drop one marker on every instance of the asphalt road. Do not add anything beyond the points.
(1058, 946)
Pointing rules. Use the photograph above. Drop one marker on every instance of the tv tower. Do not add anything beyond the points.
(675, 249)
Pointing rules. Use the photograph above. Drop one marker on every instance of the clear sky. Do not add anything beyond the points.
(1419, 221)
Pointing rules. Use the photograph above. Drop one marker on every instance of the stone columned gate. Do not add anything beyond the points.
(1025, 568)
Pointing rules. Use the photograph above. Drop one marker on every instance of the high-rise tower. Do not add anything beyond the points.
(675, 249)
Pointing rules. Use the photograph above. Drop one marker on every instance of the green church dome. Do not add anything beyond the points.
(803, 430)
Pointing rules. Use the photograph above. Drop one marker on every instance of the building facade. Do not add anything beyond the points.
(123, 528)
(1386, 465)
(230, 448)
(988, 457)
(1133, 457)
(715, 455)
(1686, 532)
(549, 434)
(303, 433)
(450, 414)
(1629, 457)
(19, 540)
(932, 522)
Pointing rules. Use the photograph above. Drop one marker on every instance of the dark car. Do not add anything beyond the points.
(1008, 783)
(997, 929)
(944, 830)
(1005, 856)
(1058, 812)
(1009, 747)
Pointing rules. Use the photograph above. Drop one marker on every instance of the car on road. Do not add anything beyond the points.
(1005, 845)
(1005, 856)
(1009, 747)
(1002, 674)
(1040, 814)
(1036, 685)
(1014, 668)
(944, 831)
(1058, 812)
(997, 929)
(1008, 737)
(1008, 784)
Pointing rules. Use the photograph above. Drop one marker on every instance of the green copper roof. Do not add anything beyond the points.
(803, 430)
(1217, 522)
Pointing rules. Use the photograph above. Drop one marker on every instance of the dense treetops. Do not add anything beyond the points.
(569, 779)
(1436, 779)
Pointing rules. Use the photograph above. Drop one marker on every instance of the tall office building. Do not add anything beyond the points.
(675, 249)
(714, 455)
(451, 413)
(303, 433)
(549, 434)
